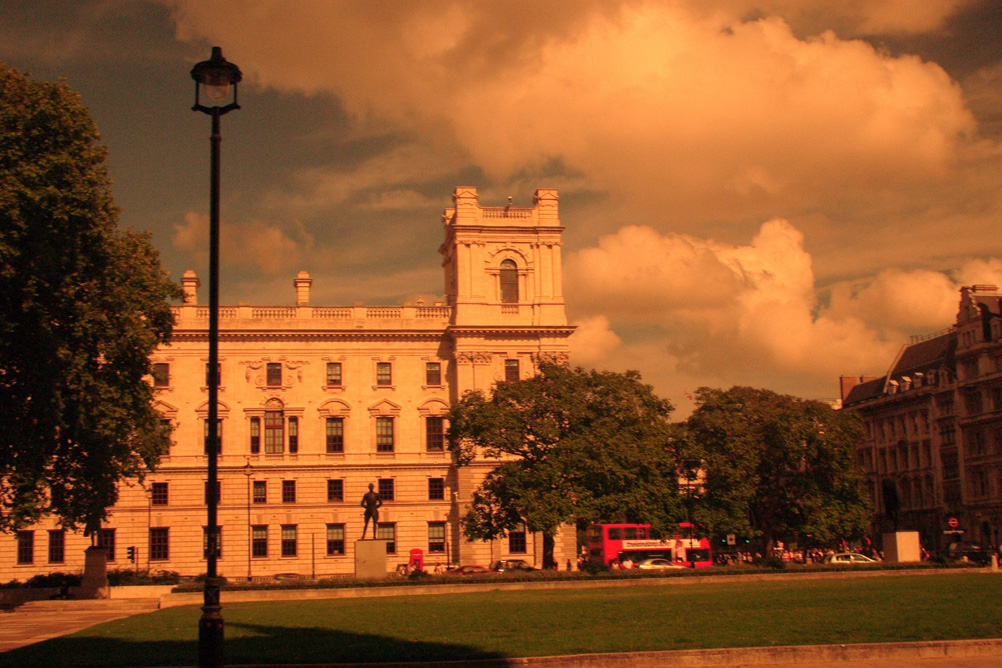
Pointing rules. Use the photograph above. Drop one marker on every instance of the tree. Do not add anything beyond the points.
(82, 306)
(570, 444)
(777, 467)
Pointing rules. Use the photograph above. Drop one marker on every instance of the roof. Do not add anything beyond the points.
(920, 357)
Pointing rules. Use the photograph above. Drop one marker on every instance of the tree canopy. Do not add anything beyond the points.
(776, 467)
(570, 445)
(82, 306)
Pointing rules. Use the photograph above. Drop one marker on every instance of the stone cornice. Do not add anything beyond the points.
(191, 336)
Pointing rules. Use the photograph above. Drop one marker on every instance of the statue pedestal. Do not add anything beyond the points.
(94, 583)
(370, 559)
(902, 546)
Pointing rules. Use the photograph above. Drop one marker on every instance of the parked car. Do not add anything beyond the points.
(504, 565)
(849, 558)
(657, 564)
(467, 570)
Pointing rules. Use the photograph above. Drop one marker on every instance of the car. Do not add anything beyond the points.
(849, 558)
(467, 570)
(508, 565)
(657, 564)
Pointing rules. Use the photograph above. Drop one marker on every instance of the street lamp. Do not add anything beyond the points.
(248, 471)
(214, 77)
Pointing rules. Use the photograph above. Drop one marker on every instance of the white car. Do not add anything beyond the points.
(849, 558)
(657, 565)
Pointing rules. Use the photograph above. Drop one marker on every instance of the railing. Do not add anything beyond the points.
(919, 338)
(274, 313)
(405, 312)
(506, 212)
(332, 312)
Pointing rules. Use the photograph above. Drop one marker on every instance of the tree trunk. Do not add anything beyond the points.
(548, 543)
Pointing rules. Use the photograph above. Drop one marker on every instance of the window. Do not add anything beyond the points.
(274, 432)
(516, 539)
(274, 374)
(335, 490)
(335, 434)
(436, 489)
(293, 435)
(434, 428)
(288, 540)
(219, 542)
(219, 373)
(436, 537)
(333, 374)
(158, 494)
(433, 373)
(260, 491)
(106, 539)
(335, 540)
(159, 544)
(388, 531)
(384, 373)
(384, 434)
(255, 435)
(511, 370)
(509, 282)
(288, 491)
(219, 436)
(386, 489)
(25, 547)
(259, 540)
(57, 546)
(219, 494)
(161, 375)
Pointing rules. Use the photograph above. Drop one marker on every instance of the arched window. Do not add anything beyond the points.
(509, 282)
(274, 427)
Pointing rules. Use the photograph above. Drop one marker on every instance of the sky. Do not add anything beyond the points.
(769, 193)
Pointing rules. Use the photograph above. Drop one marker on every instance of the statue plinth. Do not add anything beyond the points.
(370, 559)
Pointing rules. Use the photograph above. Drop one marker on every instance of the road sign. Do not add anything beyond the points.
(953, 522)
(732, 539)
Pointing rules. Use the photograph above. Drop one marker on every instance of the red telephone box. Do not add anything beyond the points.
(417, 559)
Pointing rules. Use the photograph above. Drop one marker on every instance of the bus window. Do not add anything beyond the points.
(594, 533)
(630, 533)
(642, 533)
(615, 533)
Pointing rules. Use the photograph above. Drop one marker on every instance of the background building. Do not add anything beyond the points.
(318, 402)
(932, 445)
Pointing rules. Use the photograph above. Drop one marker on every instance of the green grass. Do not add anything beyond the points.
(501, 624)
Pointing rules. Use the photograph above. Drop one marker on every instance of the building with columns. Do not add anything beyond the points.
(318, 402)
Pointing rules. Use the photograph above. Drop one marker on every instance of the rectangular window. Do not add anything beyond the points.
(205, 492)
(335, 540)
(436, 489)
(219, 374)
(274, 374)
(335, 434)
(388, 531)
(288, 540)
(161, 375)
(260, 491)
(219, 542)
(434, 428)
(255, 435)
(288, 491)
(166, 424)
(106, 539)
(25, 547)
(335, 490)
(433, 373)
(384, 373)
(293, 435)
(511, 370)
(436, 537)
(516, 539)
(57, 546)
(259, 540)
(158, 494)
(386, 489)
(384, 434)
(219, 436)
(274, 432)
(333, 374)
(159, 544)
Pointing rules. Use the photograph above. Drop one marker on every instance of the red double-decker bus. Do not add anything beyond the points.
(621, 542)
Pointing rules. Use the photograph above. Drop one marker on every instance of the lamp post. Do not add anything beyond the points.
(248, 471)
(213, 77)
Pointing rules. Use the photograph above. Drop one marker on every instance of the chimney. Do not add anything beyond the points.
(303, 283)
(846, 383)
(190, 283)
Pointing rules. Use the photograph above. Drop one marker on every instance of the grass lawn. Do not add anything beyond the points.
(499, 624)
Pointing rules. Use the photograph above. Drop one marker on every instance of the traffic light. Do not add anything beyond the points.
(132, 554)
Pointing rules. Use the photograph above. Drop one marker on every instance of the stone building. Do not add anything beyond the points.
(318, 402)
(932, 447)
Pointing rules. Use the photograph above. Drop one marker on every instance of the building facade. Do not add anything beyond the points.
(318, 402)
(932, 447)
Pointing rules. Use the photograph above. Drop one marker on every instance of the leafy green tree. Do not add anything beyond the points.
(570, 445)
(777, 467)
(82, 306)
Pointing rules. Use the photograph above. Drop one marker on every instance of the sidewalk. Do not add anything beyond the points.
(40, 620)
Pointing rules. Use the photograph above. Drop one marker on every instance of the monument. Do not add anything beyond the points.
(370, 555)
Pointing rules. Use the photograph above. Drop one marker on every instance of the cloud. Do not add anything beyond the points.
(593, 341)
(266, 248)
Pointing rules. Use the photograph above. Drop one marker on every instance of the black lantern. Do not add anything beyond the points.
(215, 76)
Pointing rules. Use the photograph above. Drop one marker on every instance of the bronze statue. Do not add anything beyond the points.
(371, 502)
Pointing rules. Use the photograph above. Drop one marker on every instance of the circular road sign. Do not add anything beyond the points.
(953, 522)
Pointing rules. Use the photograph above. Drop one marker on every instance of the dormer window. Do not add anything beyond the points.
(509, 282)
